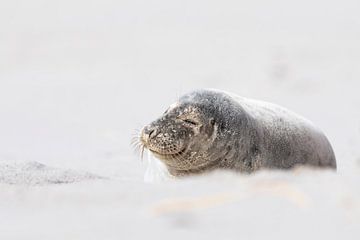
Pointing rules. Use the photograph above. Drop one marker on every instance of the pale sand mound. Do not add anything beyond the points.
(34, 173)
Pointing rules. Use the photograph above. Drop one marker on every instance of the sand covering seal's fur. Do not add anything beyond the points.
(209, 129)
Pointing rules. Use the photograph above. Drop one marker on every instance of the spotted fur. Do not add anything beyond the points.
(209, 129)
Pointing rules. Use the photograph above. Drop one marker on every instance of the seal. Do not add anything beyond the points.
(211, 129)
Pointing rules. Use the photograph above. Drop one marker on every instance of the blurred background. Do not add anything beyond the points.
(77, 78)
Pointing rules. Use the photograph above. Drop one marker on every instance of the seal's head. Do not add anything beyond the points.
(183, 136)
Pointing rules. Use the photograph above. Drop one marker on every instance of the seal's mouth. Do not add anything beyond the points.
(167, 156)
(163, 145)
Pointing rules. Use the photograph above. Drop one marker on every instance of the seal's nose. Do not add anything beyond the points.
(151, 131)
(148, 133)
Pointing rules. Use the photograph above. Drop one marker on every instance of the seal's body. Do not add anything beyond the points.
(209, 129)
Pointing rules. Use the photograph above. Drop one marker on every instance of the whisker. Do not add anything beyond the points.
(142, 148)
(134, 141)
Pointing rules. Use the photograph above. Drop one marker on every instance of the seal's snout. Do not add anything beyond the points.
(147, 134)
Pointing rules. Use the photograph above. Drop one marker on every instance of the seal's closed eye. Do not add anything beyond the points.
(191, 122)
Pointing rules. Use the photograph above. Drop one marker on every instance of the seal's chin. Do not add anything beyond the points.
(168, 156)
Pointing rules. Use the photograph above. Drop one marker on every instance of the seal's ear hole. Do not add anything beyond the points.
(212, 121)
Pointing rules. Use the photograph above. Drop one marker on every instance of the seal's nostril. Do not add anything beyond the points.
(151, 133)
